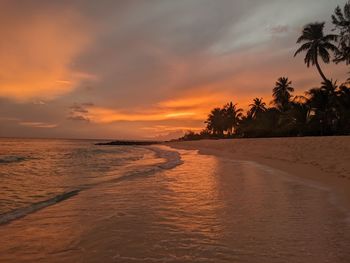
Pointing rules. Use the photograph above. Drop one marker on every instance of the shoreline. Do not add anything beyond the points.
(171, 160)
(323, 160)
(208, 208)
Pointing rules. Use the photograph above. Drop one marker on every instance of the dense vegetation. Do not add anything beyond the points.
(322, 111)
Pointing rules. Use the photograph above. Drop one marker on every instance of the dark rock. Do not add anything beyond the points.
(130, 143)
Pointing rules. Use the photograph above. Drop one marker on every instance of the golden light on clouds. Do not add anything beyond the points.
(179, 114)
(38, 124)
(36, 56)
(167, 129)
(199, 105)
(105, 115)
(122, 69)
(190, 101)
(182, 108)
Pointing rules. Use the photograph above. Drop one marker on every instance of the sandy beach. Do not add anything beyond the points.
(256, 201)
(325, 160)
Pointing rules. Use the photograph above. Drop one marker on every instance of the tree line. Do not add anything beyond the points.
(324, 110)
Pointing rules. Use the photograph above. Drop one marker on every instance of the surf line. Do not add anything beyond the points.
(22, 212)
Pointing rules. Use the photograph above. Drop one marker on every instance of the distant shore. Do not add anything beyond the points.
(128, 143)
(325, 160)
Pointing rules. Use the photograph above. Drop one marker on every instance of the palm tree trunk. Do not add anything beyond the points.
(320, 70)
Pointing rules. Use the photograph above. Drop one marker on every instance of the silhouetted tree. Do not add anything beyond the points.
(324, 110)
(324, 107)
(316, 44)
(257, 107)
(341, 21)
(233, 115)
(298, 117)
(216, 122)
(205, 134)
(282, 93)
(190, 136)
(344, 110)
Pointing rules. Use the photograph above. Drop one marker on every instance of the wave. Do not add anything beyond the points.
(21, 212)
(172, 159)
(11, 159)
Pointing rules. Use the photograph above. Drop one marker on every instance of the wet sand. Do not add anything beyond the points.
(209, 209)
(323, 160)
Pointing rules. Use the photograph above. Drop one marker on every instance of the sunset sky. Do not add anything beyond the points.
(145, 69)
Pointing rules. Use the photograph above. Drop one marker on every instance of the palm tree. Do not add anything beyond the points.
(232, 117)
(341, 21)
(298, 116)
(281, 93)
(216, 122)
(257, 107)
(316, 44)
(344, 102)
(324, 105)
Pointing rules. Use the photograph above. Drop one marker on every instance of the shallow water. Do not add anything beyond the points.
(206, 210)
(37, 170)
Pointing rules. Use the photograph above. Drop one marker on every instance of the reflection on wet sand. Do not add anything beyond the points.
(205, 210)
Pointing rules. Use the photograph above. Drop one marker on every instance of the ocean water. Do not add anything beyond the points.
(35, 173)
(155, 204)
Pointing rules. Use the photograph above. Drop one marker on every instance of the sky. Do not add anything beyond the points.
(145, 69)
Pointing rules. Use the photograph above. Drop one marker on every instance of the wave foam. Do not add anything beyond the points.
(21, 212)
(173, 158)
(11, 159)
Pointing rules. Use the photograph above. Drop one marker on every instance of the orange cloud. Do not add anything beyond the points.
(164, 132)
(36, 55)
(182, 108)
(192, 102)
(38, 124)
(106, 115)
(167, 129)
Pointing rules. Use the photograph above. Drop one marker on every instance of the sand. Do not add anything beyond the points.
(325, 160)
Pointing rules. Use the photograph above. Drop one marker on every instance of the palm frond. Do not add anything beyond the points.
(330, 38)
(304, 47)
(310, 58)
(338, 17)
(347, 10)
(324, 54)
(304, 38)
(330, 47)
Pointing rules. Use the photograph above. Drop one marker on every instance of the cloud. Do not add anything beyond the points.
(39, 102)
(38, 124)
(146, 63)
(9, 119)
(164, 132)
(278, 29)
(191, 102)
(75, 117)
(162, 121)
(107, 115)
(180, 108)
(79, 112)
(37, 51)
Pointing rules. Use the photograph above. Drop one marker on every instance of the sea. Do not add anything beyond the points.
(36, 173)
(75, 201)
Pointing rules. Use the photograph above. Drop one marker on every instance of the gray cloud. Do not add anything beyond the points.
(78, 111)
